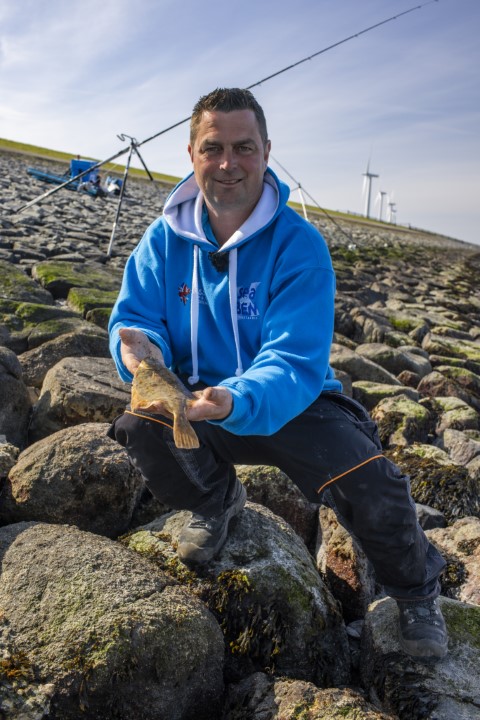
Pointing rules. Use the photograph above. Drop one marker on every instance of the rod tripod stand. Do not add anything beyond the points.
(132, 149)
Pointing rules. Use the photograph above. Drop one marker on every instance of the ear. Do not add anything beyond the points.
(266, 153)
(190, 151)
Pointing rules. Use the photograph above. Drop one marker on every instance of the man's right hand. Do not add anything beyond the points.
(135, 346)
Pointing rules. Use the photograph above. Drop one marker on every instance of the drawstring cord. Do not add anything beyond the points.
(232, 282)
(194, 378)
(194, 313)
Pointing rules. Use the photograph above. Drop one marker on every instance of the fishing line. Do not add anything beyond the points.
(309, 57)
(332, 219)
(259, 82)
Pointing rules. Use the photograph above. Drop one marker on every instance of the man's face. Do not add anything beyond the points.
(229, 160)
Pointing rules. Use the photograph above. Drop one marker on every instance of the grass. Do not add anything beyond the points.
(49, 154)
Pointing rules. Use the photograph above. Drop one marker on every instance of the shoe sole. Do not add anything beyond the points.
(192, 554)
(435, 651)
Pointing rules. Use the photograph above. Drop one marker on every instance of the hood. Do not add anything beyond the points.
(184, 206)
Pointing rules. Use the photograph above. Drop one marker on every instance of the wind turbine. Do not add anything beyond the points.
(382, 194)
(367, 184)
(392, 213)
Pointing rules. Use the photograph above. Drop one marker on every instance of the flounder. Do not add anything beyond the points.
(153, 383)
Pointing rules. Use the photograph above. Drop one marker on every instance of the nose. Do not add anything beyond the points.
(228, 160)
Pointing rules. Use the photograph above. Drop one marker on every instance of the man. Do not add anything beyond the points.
(234, 291)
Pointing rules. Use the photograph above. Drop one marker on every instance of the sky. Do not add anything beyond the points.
(402, 99)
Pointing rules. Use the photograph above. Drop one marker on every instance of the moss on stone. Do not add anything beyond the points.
(58, 277)
(84, 299)
(463, 623)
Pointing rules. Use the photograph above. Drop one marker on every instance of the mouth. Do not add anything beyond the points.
(229, 182)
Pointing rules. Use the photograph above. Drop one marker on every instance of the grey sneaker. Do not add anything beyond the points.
(202, 537)
(422, 628)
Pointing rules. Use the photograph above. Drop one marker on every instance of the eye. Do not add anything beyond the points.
(211, 149)
(244, 149)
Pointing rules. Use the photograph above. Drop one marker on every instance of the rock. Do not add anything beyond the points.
(437, 345)
(401, 421)
(86, 624)
(438, 383)
(395, 360)
(77, 476)
(8, 456)
(451, 412)
(15, 404)
(460, 544)
(262, 697)
(412, 689)
(461, 449)
(429, 518)
(447, 488)
(59, 277)
(78, 390)
(344, 566)
(88, 341)
(370, 393)
(358, 367)
(30, 324)
(264, 589)
(17, 286)
(270, 487)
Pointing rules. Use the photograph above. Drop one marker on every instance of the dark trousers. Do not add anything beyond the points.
(333, 454)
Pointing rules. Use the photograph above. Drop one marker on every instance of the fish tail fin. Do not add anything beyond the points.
(184, 435)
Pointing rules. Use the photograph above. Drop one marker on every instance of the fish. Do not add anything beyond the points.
(153, 383)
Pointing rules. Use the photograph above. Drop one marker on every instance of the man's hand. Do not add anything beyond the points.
(135, 346)
(214, 403)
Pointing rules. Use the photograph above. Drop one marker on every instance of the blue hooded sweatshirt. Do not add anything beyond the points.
(262, 327)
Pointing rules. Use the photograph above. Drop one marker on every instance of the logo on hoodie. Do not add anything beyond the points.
(246, 306)
(183, 293)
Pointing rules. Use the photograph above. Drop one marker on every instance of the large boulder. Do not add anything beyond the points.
(58, 277)
(78, 390)
(90, 630)
(87, 340)
(15, 402)
(460, 545)
(76, 476)
(266, 592)
(270, 487)
(261, 697)
(344, 567)
(414, 690)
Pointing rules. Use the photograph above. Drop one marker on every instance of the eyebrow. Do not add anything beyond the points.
(243, 141)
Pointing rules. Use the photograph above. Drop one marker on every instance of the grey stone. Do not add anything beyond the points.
(89, 629)
(275, 610)
(78, 390)
(412, 689)
(76, 476)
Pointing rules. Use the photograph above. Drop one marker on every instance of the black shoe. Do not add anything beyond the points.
(422, 628)
(203, 537)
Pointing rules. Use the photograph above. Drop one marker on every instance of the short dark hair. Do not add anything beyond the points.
(226, 100)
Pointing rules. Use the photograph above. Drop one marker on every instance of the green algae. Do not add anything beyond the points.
(463, 623)
(84, 299)
(59, 277)
(447, 488)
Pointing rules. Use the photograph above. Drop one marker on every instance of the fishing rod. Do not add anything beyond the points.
(249, 87)
(309, 57)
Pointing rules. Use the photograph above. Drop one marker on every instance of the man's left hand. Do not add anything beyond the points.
(213, 403)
